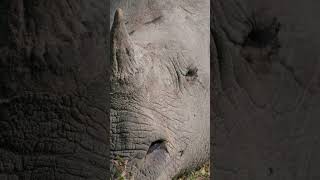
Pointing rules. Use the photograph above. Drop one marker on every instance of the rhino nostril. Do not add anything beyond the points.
(157, 145)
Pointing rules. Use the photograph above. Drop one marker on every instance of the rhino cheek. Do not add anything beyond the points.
(136, 138)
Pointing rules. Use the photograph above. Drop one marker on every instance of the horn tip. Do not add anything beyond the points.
(119, 14)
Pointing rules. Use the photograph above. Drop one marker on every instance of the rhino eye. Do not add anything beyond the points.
(192, 73)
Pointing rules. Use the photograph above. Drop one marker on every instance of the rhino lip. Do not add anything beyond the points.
(158, 145)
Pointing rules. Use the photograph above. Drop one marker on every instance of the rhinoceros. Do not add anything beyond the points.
(54, 123)
(160, 86)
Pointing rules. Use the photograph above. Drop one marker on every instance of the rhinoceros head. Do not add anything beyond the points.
(160, 87)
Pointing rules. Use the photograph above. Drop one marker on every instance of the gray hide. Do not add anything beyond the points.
(265, 67)
(160, 86)
(53, 120)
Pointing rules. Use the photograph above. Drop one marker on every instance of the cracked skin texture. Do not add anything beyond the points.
(265, 89)
(53, 122)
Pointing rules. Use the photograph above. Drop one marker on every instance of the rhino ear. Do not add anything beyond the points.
(123, 61)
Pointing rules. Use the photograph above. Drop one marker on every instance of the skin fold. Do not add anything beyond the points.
(160, 84)
(265, 71)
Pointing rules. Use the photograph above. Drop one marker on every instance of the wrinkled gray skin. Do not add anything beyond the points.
(53, 119)
(266, 89)
(160, 86)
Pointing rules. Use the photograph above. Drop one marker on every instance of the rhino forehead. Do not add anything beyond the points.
(138, 61)
(171, 28)
(146, 10)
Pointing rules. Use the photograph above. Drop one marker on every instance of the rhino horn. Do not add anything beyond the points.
(123, 61)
